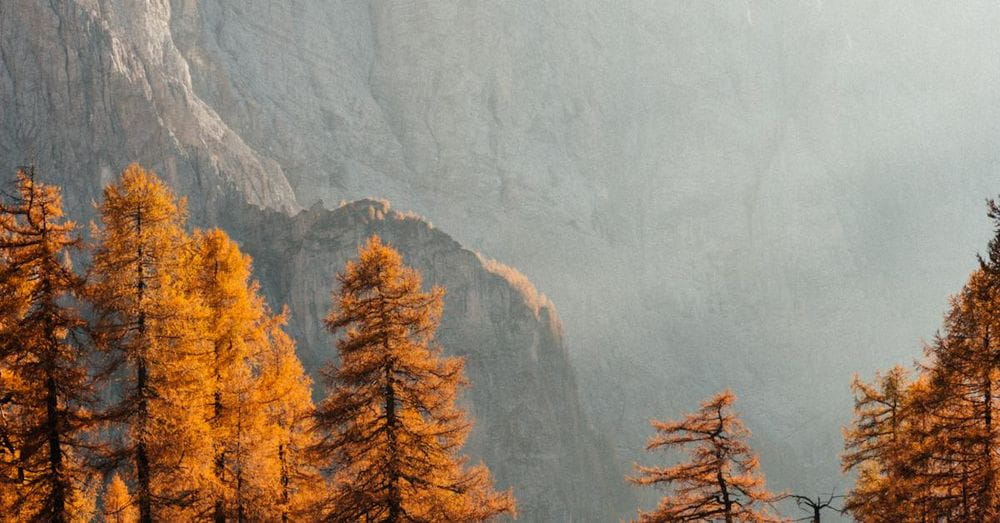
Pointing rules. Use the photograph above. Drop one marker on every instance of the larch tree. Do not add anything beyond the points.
(236, 318)
(720, 481)
(935, 457)
(260, 393)
(39, 346)
(877, 445)
(389, 425)
(12, 306)
(284, 391)
(154, 331)
(965, 373)
(11, 470)
(118, 505)
(965, 367)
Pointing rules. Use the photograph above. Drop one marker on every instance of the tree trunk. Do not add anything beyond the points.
(141, 456)
(142, 384)
(58, 494)
(395, 503)
(284, 482)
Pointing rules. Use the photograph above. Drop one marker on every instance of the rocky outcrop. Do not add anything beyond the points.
(529, 425)
(87, 86)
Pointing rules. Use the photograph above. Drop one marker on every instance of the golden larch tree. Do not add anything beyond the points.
(118, 505)
(878, 446)
(13, 304)
(154, 331)
(11, 471)
(283, 390)
(39, 346)
(720, 482)
(236, 329)
(389, 425)
(928, 451)
(964, 369)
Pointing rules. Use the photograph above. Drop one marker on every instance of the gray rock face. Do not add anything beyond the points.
(87, 86)
(530, 428)
(768, 196)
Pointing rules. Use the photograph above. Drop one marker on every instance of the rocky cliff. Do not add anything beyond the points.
(87, 86)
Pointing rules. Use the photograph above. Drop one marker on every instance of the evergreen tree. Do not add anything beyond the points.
(48, 387)
(389, 424)
(154, 331)
(118, 503)
(720, 482)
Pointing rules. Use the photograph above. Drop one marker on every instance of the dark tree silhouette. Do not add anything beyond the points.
(816, 505)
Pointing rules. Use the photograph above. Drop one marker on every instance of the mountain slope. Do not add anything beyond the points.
(766, 196)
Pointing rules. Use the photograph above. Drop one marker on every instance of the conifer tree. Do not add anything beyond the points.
(720, 482)
(153, 328)
(965, 361)
(235, 327)
(876, 445)
(118, 506)
(284, 391)
(389, 425)
(11, 471)
(38, 348)
(13, 305)
(935, 459)
(261, 396)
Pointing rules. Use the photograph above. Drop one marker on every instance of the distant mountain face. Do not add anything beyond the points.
(763, 196)
(88, 86)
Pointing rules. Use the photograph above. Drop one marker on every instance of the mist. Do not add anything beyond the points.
(764, 196)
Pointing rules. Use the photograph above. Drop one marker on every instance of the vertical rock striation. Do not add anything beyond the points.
(87, 86)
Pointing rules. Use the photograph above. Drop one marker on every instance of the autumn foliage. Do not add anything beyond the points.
(925, 448)
(720, 480)
(393, 429)
(158, 385)
(45, 390)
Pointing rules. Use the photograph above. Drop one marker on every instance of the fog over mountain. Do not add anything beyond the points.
(767, 196)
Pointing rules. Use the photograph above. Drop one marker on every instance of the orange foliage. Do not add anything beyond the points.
(390, 426)
(44, 387)
(720, 482)
(153, 328)
(927, 451)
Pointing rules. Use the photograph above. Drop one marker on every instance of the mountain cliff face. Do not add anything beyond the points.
(529, 425)
(87, 86)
